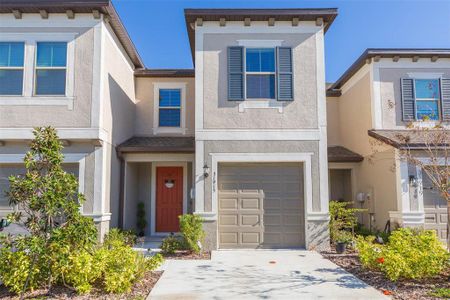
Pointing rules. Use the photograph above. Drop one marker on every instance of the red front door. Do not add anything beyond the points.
(169, 198)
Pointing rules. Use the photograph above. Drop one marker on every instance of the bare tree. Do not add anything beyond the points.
(433, 144)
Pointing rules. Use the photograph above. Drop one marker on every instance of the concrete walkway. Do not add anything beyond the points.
(260, 274)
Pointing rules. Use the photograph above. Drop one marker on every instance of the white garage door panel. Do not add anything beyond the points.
(261, 205)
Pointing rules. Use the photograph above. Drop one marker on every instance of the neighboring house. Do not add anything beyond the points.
(240, 140)
(369, 109)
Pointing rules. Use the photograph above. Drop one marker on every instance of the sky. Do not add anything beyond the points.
(158, 28)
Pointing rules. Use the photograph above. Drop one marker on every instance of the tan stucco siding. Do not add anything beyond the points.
(219, 113)
(59, 116)
(390, 93)
(355, 117)
(333, 121)
(145, 104)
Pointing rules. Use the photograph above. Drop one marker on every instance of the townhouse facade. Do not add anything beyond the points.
(251, 139)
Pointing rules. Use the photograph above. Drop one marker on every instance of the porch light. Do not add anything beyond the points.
(412, 180)
(205, 170)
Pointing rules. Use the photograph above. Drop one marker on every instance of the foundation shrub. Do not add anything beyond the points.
(171, 244)
(409, 254)
(191, 227)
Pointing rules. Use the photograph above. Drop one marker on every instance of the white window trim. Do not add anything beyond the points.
(429, 76)
(169, 85)
(30, 40)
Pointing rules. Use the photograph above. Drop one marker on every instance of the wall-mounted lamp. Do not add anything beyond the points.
(205, 170)
(413, 180)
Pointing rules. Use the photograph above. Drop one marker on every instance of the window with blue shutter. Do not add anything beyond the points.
(284, 74)
(260, 73)
(169, 107)
(236, 73)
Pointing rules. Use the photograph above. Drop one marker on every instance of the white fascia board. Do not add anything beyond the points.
(258, 135)
(57, 20)
(158, 157)
(63, 133)
(407, 63)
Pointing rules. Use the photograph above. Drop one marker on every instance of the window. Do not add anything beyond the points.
(11, 68)
(260, 73)
(427, 99)
(51, 63)
(169, 107)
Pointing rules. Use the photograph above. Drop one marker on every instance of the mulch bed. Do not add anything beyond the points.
(182, 255)
(403, 289)
(139, 291)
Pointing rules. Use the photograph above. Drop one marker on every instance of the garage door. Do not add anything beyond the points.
(435, 208)
(261, 206)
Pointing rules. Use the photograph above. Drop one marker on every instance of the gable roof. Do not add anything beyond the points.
(383, 53)
(283, 14)
(78, 6)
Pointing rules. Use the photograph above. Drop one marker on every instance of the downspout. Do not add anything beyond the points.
(121, 189)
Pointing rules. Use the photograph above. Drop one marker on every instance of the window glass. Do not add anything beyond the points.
(11, 68)
(51, 59)
(261, 86)
(169, 117)
(427, 99)
(260, 60)
(169, 107)
(427, 109)
(11, 54)
(169, 98)
(51, 54)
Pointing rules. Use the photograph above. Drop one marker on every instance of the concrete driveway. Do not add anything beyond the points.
(260, 274)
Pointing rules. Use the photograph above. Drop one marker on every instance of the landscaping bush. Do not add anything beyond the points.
(62, 247)
(171, 244)
(409, 254)
(191, 227)
(342, 218)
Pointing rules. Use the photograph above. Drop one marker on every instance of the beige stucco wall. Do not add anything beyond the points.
(118, 115)
(333, 121)
(59, 116)
(376, 175)
(145, 104)
(219, 113)
(390, 91)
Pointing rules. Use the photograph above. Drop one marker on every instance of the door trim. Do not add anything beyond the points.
(153, 193)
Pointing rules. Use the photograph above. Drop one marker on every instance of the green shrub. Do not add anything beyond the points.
(409, 254)
(116, 236)
(343, 236)
(191, 227)
(171, 244)
(154, 262)
(443, 293)
(83, 269)
(342, 218)
(141, 222)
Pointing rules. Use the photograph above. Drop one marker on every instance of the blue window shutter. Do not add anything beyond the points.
(236, 73)
(445, 99)
(285, 82)
(408, 99)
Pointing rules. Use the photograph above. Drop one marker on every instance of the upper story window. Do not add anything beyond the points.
(11, 68)
(51, 64)
(260, 73)
(169, 107)
(427, 98)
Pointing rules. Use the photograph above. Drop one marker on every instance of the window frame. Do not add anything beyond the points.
(157, 86)
(168, 107)
(28, 98)
(274, 73)
(36, 68)
(17, 68)
(438, 100)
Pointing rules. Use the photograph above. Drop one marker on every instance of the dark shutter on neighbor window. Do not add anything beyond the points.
(445, 99)
(408, 101)
(285, 84)
(235, 73)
